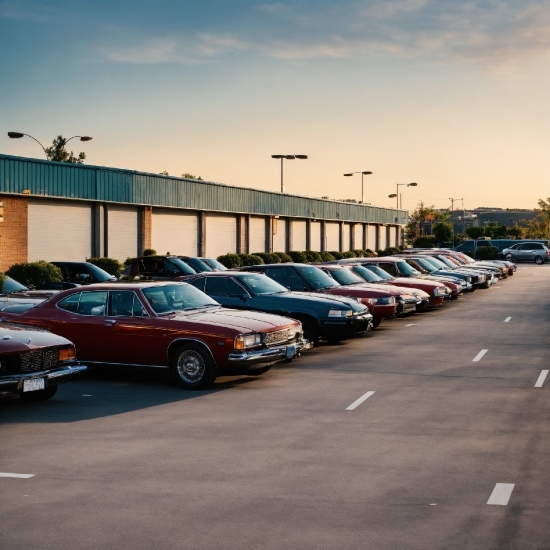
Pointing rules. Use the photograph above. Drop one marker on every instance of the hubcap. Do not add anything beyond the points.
(191, 366)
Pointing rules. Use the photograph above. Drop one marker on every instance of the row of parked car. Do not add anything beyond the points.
(199, 320)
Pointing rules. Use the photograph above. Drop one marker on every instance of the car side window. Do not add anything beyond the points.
(388, 268)
(199, 283)
(537, 246)
(93, 303)
(125, 303)
(235, 289)
(70, 303)
(287, 277)
(77, 274)
(217, 286)
(151, 265)
(170, 268)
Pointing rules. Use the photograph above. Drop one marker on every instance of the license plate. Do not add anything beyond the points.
(291, 351)
(34, 385)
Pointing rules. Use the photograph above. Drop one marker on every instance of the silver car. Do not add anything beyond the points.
(530, 252)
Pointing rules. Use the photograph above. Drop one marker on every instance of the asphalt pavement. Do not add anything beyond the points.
(430, 433)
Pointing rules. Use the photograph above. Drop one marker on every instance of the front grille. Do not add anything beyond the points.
(31, 361)
(279, 336)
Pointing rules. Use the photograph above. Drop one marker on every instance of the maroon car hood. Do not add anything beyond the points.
(16, 339)
(411, 281)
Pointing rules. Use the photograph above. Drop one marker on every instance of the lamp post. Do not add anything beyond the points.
(413, 184)
(287, 157)
(18, 135)
(363, 174)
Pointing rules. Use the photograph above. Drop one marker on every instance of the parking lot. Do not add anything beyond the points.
(430, 433)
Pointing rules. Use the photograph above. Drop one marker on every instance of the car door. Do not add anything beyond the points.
(228, 292)
(523, 251)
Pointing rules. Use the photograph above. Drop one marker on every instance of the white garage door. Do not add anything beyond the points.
(333, 237)
(123, 232)
(59, 231)
(346, 231)
(256, 235)
(299, 235)
(315, 236)
(279, 240)
(175, 232)
(392, 236)
(359, 236)
(371, 237)
(221, 235)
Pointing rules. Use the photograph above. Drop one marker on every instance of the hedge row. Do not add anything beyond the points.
(241, 260)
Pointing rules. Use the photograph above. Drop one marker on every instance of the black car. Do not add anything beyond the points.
(79, 273)
(214, 264)
(158, 268)
(332, 317)
(198, 264)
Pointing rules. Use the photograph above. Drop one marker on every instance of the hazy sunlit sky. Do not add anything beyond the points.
(452, 94)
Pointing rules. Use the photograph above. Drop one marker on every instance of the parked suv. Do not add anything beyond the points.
(158, 268)
(529, 252)
(82, 273)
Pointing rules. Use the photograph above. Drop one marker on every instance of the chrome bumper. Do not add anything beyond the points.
(14, 382)
(269, 355)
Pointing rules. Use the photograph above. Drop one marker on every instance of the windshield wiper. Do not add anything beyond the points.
(162, 314)
(200, 307)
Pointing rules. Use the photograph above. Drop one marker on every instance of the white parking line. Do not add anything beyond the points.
(358, 402)
(479, 355)
(507, 320)
(541, 379)
(86, 395)
(501, 494)
(411, 325)
(22, 476)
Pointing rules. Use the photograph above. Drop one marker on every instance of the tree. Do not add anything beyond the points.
(539, 227)
(516, 232)
(164, 173)
(443, 231)
(189, 176)
(59, 153)
(475, 232)
(421, 214)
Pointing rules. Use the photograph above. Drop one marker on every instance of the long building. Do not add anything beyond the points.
(59, 211)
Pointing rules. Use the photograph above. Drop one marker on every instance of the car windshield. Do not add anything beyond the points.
(178, 297)
(10, 286)
(446, 261)
(316, 278)
(100, 275)
(261, 284)
(197, 265)
(379, 271)
(436, 262)
(345, 277)
(184, 268)
(421, 264)
(405, 268)
(214, 263)
(366, 274)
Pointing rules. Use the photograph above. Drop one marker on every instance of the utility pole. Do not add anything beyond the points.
(452, 216)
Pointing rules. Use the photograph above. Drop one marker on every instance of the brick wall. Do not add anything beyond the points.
(13, 231)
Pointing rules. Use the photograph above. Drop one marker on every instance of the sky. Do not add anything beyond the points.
(452, 95)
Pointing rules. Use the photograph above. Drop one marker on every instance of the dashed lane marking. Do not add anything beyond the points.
(541, 379)
(507, 320)
(501, 494)
(21, 476)
(358, 402)
(479, 355)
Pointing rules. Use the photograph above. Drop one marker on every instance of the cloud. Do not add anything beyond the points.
(26, 9)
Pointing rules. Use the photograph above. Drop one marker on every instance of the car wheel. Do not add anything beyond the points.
(311, 330)
(538, 260)
(508, 257)
(192, 367)
(40, 395)
(376, 321)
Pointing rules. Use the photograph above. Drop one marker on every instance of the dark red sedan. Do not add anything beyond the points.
(169, 325)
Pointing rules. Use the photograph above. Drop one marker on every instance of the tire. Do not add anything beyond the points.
(538, 260)
(311, 330)
(508, 257)
(376, 321)
(192, 367)
(40, 395)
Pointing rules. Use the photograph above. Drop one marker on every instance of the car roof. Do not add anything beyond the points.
(130, 285)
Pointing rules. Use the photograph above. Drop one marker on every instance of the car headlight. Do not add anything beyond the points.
(340, 313)
(386, 300)
(244, 341)
(440, 291)
(66, 354)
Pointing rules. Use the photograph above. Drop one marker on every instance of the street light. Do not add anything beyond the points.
(18, 135)
(393, 195)
(362, 186)
(287, 157)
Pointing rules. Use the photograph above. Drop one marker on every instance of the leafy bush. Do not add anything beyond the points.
(2, 281)
(487, 253)
(337, 255)
(230, 260)
(149, 252)
(298, 257)
(359, 253)
(128, 261)
(268, 257)
(34, 273)
(250, 259)
(424, 242)
(110, 265)
(313, 256)
(369, 253)
(327, 256)
(285, 258)
(349, 254)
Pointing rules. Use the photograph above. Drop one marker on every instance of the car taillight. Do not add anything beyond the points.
(66, 354)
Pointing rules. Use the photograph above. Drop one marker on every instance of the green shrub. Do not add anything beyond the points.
(2, 281)
(34, 273)
(110, 265)
(327, 256)
(349, 254)
(128, 261)
(313, 256)
(337, 255)
(250, 259)
(285, 258)
(149, 252)
(359, 253)
(268, 257)
(424, 242)
(487, 253)
(298, 257)
(384, 252)
(230, 260)
(369, 253)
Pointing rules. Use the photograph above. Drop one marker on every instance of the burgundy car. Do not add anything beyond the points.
(166, 325)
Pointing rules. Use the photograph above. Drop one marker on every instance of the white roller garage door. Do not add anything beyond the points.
(123, 232)
(393, 240)
(333, 236)
(346, 231)
(59, 230)
(279, 240)
(221, 235)
(315, 236)
(299, 235)
(256, 235)
(359, 245)
(175, 232)
(371, 237)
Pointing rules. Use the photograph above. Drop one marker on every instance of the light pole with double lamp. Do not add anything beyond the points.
(397, 194)
(363, 174)
(287, 157)
(18, 135)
